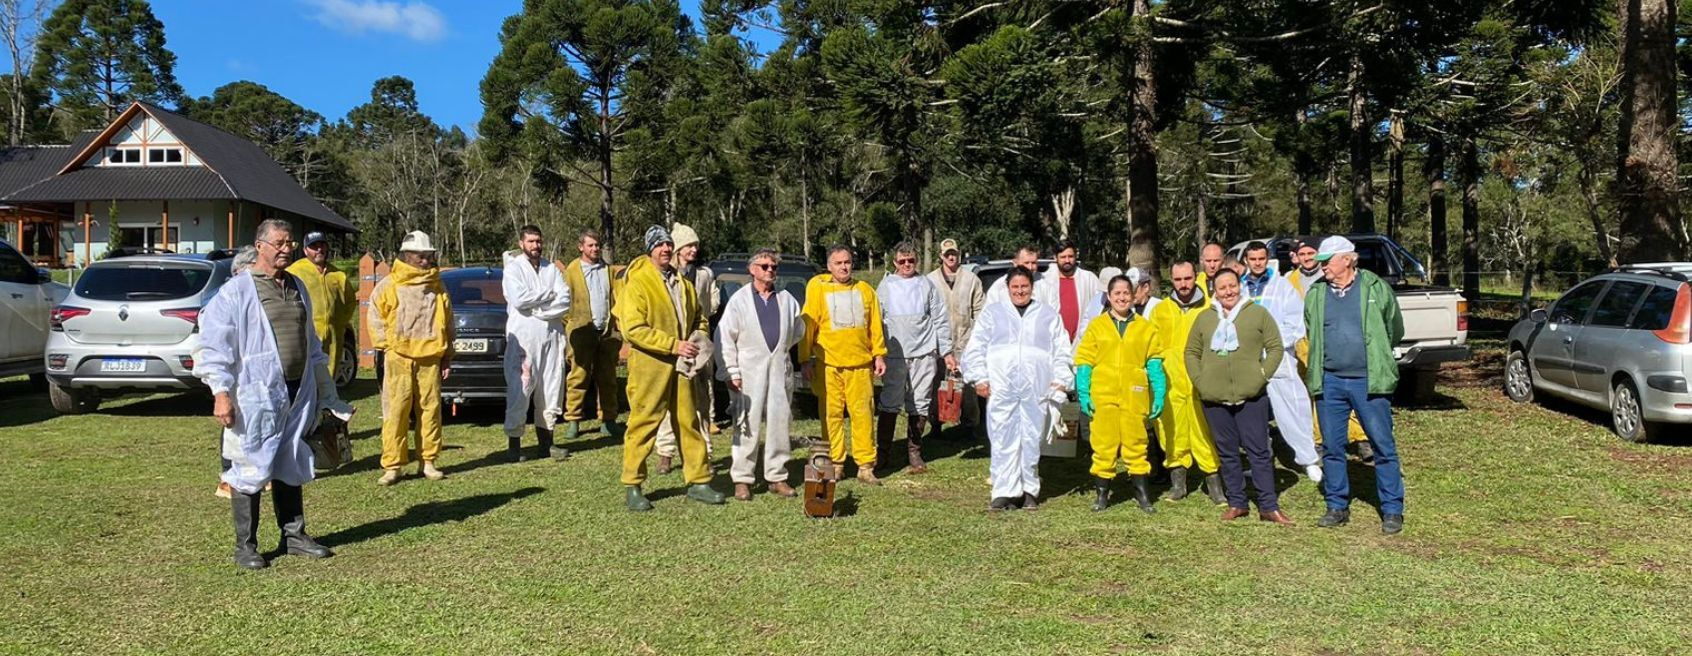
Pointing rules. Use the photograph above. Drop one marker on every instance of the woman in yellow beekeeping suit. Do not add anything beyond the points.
(1120, 380)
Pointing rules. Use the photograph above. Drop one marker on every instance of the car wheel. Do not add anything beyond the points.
(1518, 378)
(346, 367)
(72, 401)
(1627, 415)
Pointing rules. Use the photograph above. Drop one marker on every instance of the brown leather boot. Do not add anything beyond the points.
(1232, 514)
(866, 474)
(1276, 516)
(914, 426)
(782, 489)
(743, 491)
(666, 465)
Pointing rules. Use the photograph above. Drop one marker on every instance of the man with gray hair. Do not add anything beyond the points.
(914, 319)
(269, 379)
(760, 325)
(1354, 322)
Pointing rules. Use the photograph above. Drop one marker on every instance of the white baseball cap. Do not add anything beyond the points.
(1137, 276)
(1335, 245)
(416, 242)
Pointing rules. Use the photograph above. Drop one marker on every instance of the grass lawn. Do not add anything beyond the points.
(1531, 530)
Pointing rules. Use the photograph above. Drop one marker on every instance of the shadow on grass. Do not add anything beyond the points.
(24, 404)
(373, 462)
(197, 403)
(426, 514)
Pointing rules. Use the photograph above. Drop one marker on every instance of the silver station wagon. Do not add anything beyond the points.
(1620, 341)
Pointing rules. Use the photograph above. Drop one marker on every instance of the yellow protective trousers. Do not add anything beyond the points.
(410, 386)
(656, 390)
(1182, 431)
(1118, 433)
(593, 364)
(843, 392)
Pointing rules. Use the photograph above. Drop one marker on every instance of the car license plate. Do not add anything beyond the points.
(470, 346)
(123, 366)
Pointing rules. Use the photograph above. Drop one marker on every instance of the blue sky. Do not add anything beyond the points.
(324, 54)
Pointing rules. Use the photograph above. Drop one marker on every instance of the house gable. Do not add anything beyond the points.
(143, 140)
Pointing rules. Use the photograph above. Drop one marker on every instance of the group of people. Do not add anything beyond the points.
(1204, 369)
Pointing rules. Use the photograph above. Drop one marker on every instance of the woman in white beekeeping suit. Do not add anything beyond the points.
(1019, 359)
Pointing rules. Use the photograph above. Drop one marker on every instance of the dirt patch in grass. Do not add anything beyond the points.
(1655, 461)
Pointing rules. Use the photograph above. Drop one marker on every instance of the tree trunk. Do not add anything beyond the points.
(607, 224)
(1362, 169)
(1469, 172)
(1201, 227)
(1395, 174)
(805, 213)
(1145, 242)
(1303, 170)
(1595, 214)
(1434, 171)
(1651, 226)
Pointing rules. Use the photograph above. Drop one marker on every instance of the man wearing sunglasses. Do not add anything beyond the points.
(760, 325)
(334, 298)
(915, 324)
(269, 380)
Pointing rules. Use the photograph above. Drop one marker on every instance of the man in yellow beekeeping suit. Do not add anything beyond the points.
(412, 325)
(842, 352)
(334, 298)
(1120, 381)
(1181, 430)
(659, 314)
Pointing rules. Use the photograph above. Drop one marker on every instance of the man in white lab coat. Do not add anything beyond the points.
(536, 300)
(760, 325)
(1019, 359)
(269, 378)
(1289, 399)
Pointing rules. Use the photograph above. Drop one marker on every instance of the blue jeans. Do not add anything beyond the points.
(1340, 397)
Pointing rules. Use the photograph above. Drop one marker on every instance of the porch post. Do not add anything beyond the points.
(231, 242)
(164, 234)
(87, 233)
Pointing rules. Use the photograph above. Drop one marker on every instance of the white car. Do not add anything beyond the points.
(27, 297)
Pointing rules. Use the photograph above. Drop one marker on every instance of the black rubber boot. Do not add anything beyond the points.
(1101, 487)
(514, 449)
(246, 512)
(884, 436)
(1177, 483)
(547, 448)
(1141, 495)
(289, 503)
(1213, 487)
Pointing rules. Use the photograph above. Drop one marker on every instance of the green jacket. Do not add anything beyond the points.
(1240, 375)
(1383, 327)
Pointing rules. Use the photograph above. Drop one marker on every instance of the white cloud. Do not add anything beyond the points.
(414, 19)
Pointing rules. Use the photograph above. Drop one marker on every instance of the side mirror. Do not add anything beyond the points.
(1538, 316)
(43, 276)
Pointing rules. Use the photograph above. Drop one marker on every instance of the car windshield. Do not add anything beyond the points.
(142, 282)
(474, 291)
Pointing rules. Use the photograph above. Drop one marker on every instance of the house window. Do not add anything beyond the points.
(123, 155)
(164, 155)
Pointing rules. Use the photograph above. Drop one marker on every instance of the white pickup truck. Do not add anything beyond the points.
(1436, 319)
(27, 297)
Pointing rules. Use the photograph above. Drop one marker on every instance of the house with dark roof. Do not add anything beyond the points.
(150, 179)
